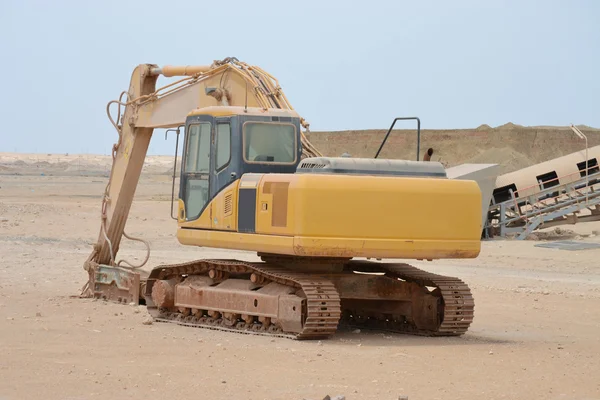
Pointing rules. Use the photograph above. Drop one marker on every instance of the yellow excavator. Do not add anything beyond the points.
(251, 180)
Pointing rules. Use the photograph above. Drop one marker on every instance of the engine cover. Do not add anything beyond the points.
(372, 166)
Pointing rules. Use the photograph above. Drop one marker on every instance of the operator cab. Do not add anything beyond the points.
(223, 143)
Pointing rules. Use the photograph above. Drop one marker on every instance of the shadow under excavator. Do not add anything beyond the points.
(376, 338)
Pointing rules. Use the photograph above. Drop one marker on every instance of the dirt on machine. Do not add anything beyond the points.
(251, 180)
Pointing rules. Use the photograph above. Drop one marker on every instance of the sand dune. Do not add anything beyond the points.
(510, 145)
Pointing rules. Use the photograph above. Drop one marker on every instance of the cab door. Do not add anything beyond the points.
(195, 174)
(222, 151)
(224, 172)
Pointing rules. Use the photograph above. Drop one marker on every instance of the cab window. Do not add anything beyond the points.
(269, 143)
(197, 155)
(223, 145)
(196, 167)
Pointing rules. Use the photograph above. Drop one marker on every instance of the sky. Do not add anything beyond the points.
(343, 65)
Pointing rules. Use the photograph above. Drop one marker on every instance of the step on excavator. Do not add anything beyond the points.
(251, 180)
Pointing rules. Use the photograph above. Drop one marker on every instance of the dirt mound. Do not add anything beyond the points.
(507, 157)
(169, 172)
(510, 125)
(586, 127)
(557, 233)
(511, 145)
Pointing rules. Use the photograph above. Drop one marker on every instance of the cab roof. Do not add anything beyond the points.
(219, 111)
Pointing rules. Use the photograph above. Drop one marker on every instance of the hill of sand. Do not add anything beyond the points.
(512, 146)
(74, 164)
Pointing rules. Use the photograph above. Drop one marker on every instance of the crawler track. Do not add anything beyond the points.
(322, 312)
(323, 307)
(457, 306)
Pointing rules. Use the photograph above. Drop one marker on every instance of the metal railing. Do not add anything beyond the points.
(548, 206)
(559, 178)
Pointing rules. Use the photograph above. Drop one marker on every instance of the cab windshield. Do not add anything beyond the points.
(266, 142)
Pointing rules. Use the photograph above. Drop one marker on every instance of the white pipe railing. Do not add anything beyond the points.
(587, 161)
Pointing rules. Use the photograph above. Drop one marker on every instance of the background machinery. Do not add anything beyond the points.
(564, 190)
(250, 180)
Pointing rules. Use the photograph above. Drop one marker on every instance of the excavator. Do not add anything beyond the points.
(321, 226)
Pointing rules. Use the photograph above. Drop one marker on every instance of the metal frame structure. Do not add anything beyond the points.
(556, 205)
(581, 135)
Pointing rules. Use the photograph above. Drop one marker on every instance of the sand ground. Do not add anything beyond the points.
(535, 334)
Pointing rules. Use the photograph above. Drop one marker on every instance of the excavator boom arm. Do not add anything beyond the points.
(228, 82)
(128, 158)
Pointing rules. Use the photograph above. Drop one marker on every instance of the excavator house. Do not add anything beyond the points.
(251, 180)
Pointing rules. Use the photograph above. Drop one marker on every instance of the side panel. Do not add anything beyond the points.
(330, 247)
(224, 208)
(203, 222)
(220, 214)
(275, 203)
(370, 207)
(352, 216)
(233, 208)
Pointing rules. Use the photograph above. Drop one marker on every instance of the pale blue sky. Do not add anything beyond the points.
(343, 65)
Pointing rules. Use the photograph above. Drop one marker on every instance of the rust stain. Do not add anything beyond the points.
(323, 251)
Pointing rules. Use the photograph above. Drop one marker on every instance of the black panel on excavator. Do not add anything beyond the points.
(247, 210)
